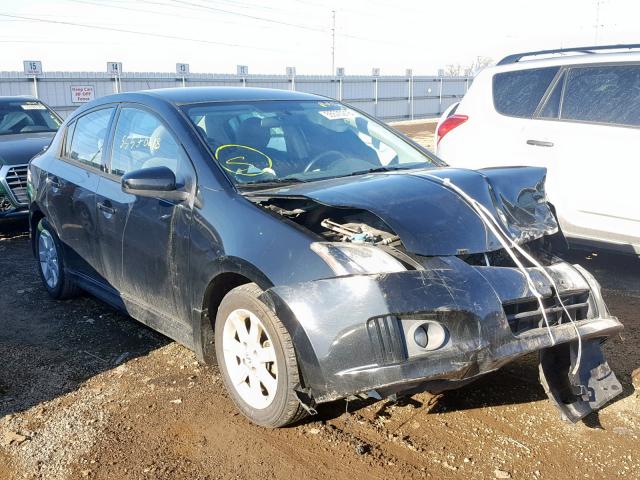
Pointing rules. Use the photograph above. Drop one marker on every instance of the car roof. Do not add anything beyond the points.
(217, 94)
(568, 59)
(18, 98)
(175, 97)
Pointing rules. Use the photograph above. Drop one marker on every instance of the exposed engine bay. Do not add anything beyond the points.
(363, 227)
(335, 224)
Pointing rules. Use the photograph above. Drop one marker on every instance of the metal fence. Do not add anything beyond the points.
(387, 97)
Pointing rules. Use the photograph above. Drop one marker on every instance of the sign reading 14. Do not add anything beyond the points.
(114, 68)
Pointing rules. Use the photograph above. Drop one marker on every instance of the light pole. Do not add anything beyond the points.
(333, 41)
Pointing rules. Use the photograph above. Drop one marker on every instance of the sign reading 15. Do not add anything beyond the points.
(32, 67)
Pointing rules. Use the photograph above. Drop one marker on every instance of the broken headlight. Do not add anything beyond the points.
(350, 259)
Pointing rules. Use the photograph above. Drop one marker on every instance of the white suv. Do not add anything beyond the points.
(575, 112)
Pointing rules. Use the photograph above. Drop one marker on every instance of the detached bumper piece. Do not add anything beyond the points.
(589, 389)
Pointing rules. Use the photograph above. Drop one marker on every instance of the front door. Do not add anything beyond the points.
(144, 241)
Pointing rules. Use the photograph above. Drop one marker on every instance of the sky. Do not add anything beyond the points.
(216, 35)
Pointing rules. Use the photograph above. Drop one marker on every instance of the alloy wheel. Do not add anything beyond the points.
(250, 358)
(48, 257)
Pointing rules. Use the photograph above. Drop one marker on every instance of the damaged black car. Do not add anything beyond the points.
(311, 251)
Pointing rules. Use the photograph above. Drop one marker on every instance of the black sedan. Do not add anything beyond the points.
(313, 252)
(26, 127)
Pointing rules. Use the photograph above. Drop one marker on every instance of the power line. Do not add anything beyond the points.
(152, 12)
(134, 32)
(120, 7)
(165, 13)
(270, 20)
(246, 15)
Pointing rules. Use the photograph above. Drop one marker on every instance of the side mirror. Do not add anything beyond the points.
(157, 182)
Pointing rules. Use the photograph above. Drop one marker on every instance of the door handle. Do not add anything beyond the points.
(106, 208)
(539, 143)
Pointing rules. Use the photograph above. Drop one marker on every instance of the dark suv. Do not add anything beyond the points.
(312, 251)
(26, 127)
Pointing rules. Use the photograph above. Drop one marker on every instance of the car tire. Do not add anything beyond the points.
(257, 360)
(51, 264)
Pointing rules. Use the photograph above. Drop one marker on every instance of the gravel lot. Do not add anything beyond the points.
(86, 392)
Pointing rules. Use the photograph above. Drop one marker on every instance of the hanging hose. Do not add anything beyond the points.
(544, 272)
(509, 245)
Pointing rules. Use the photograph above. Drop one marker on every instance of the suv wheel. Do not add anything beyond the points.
(256, 358)
(51, 263)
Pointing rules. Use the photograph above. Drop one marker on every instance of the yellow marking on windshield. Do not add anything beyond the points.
(238, 160)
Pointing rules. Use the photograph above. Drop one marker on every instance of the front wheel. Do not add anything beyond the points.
(51, 263)
(257, 359)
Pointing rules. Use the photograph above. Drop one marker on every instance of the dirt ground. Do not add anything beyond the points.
(86, 392)
(421, 131)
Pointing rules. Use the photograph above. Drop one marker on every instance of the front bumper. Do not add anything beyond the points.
(351, 336)
(19, 214)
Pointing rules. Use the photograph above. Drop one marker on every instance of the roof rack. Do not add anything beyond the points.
(516, 57)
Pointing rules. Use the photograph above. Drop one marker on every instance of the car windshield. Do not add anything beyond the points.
(26, 116)
(263, 142)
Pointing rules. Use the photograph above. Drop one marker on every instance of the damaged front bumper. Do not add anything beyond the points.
(357, 334)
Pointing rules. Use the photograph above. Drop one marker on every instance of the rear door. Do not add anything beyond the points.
(144, 241)
(72, 182)
(516, 97)
(500, 111)
(592, 119)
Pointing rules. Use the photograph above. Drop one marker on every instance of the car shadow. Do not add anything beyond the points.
(48, 347)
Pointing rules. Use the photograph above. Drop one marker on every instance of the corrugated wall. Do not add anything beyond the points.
(388, 98)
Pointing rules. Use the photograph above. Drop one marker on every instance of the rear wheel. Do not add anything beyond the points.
(51, 263)
(257, 359)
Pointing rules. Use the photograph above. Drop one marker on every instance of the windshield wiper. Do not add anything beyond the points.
(377, 170)
(268, 183)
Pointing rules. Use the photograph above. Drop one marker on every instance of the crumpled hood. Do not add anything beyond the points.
(18, 149)
(430, 218)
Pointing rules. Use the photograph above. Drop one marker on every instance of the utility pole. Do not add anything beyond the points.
(333, 42)
(597, 25)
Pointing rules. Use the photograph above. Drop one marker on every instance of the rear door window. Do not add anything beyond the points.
(603, 94)
(517, 94)
(90, 136)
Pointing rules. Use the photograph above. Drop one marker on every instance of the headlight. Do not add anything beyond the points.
(349, 259)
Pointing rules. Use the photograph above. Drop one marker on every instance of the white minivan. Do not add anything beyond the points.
(575, 112)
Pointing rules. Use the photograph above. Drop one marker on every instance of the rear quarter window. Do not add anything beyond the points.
(517, 94)
(603, 94)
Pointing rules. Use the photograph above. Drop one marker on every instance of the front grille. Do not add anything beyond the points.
(16, 179)
(385, 334)
(524, 314)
